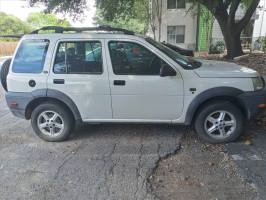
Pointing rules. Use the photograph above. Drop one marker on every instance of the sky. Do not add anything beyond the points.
(21, 9)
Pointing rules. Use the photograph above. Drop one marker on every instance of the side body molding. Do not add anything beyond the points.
(207, 95)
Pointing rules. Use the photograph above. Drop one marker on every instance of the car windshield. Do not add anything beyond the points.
(185, 62)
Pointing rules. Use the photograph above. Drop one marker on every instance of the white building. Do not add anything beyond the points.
(178, 25)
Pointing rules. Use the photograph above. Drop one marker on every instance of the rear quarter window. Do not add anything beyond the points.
(30, 56)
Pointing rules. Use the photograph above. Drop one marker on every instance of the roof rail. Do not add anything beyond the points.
(59, 29)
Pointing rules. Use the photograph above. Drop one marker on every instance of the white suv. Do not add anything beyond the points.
(99, 75)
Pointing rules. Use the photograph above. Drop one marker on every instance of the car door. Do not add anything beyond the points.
(138, 91)
(79, 71)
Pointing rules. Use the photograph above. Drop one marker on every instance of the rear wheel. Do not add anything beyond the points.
(52, 122)
(219, 122)
(4, 72)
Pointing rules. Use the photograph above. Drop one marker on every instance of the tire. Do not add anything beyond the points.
(4, 72)
(219, 122)
(57, 129)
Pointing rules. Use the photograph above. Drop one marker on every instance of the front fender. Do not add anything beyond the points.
(218, 92)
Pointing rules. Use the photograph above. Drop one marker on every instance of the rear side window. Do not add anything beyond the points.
(80, 57)
(30, 56)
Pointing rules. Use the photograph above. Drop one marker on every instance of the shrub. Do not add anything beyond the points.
(217, 48)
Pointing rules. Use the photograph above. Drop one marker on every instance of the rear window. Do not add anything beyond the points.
(30, 56)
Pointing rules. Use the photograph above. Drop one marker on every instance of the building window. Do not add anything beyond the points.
(181, 4)
(171, 4)
(176, 4)
(176, 34)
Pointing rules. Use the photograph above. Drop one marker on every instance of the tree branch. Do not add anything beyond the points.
(243, 22)
(232, 12)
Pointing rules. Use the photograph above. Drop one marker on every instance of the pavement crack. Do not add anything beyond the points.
(149, 177)
(107, 172)
(67, 158)
(138, 174)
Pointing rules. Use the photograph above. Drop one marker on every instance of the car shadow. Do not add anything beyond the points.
(86, 131)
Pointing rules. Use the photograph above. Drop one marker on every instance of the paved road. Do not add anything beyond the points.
(251, 160)
(98, 162)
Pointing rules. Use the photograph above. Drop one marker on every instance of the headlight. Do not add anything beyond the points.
(258, 83)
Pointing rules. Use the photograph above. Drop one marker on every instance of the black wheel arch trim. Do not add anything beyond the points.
(67, 100)
(208, 95)
(48, 93)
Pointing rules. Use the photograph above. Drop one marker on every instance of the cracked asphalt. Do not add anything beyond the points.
(98, 162)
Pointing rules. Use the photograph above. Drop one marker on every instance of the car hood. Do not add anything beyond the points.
(219, 69)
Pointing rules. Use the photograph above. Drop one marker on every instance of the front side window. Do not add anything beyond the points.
(30, 56)
(176, 34)
(129, 58)
(80, 57)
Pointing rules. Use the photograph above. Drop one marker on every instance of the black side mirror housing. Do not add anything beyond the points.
(166, 70)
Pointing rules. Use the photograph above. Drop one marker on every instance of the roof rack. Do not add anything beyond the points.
(58, 29)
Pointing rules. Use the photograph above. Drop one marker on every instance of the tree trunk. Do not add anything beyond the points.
(232, 39)
(160, 30)
(233, 45)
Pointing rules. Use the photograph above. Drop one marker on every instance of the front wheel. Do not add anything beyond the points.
(219, 122)
(52, 122)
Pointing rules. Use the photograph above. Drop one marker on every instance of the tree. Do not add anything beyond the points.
(135, 19)
(40, 19)
(157, 9)
(223, 10)
(10, 24)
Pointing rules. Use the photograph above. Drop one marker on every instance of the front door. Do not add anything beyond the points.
(138, 91)
(79, 71)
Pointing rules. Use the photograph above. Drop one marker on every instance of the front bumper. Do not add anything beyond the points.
(253, 102)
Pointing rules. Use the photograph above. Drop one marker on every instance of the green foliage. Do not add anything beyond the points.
(40, 19)
(114, 9)
(217, 48)
(135, 19)
(262, 43)
(126, 23)
(10, 25)
(74, 7)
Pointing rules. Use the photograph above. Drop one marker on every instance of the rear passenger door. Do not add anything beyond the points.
(79, 71)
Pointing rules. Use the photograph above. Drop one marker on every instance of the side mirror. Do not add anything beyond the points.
(166, 70)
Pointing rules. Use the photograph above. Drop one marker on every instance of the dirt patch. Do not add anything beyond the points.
(255, 61)
(199, 171)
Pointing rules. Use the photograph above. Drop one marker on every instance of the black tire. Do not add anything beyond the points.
(4, 72)
(213, 107)
(66, 117)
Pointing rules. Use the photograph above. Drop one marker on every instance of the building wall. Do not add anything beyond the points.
(176, 17)
(260, 21)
